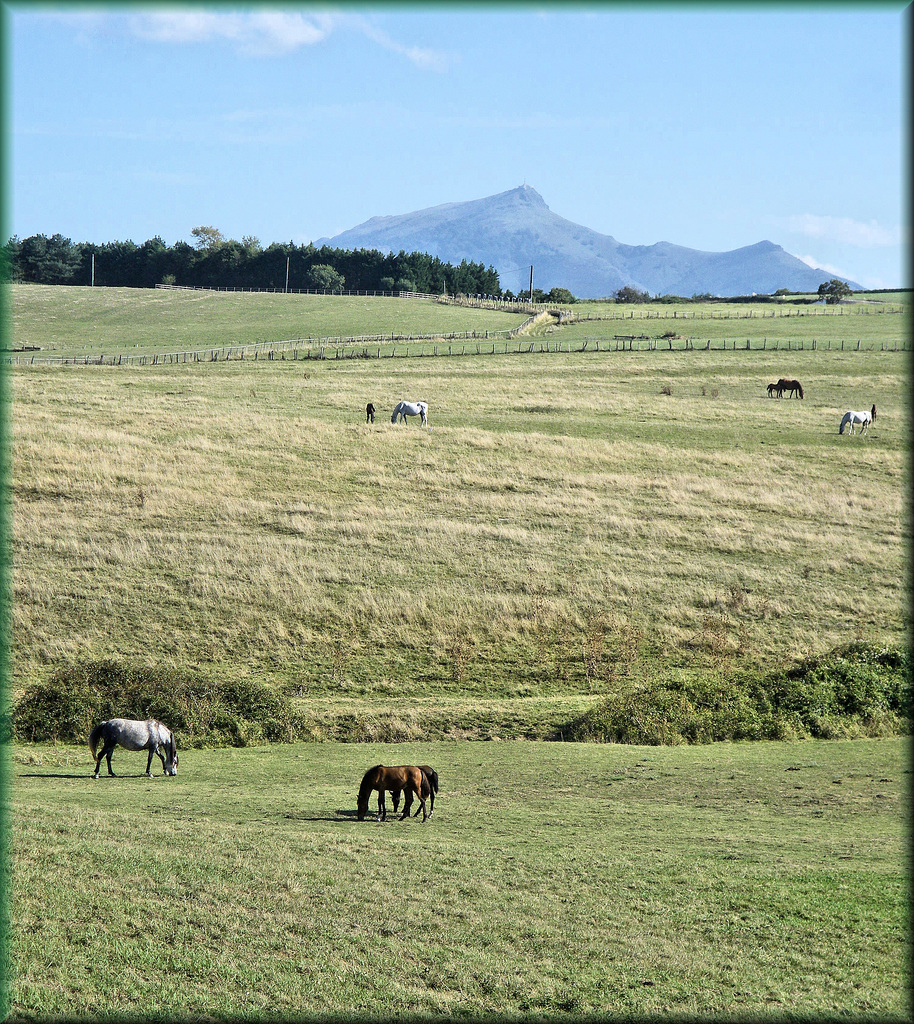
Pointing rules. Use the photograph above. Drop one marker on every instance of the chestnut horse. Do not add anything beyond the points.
(402, 778)
(429, 788)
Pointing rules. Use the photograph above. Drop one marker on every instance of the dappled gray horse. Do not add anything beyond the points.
(133, 735)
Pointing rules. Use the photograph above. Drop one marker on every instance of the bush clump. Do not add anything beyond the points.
(858, 689)
(202, 711)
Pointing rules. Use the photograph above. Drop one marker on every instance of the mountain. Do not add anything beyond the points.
(516, 229)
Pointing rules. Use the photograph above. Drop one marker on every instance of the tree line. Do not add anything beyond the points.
(217, 261)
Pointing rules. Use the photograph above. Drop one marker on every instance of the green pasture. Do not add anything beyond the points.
(827, 330)
(77, 321)
(573, 526)
(559, 881)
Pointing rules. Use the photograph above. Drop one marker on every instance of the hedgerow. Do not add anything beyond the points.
(857, 689)
(202, 710)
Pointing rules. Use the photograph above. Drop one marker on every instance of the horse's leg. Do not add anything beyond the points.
(158, 750)
(98, 762)
(382, 807)
(108, 751)
(431, 794)
(152, 750)
(422, 804)
(407, 802)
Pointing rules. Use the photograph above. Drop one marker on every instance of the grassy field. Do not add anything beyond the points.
(75, 321)
(571, 523)
(746, 881)
(827, 329)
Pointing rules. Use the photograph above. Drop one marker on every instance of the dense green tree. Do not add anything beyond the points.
(9, 255)
(217, 261)
(629, 294)
(834, 291)
(323, 277)
(53, 260)
(208, 237)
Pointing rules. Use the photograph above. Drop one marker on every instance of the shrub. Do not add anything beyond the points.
(203, 711)
(855, 690)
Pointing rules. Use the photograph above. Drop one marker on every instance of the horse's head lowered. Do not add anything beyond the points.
(170, 748)
(365, 790)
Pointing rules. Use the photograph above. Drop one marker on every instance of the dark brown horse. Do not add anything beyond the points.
(403, 778)
(429, 788)
(793, 386)
(774, 389)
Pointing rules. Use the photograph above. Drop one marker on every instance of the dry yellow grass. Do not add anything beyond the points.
(243, 517)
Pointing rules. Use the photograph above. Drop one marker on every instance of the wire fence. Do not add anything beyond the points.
(488, 342)
(479, 343)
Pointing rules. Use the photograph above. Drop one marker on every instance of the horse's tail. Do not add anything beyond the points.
(432, 777)
(95, 736)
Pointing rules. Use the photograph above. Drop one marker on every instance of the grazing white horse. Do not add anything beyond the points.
(133, 735)
(404, 409)
(861, 419)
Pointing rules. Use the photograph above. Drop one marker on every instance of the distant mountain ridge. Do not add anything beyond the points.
(516, 229)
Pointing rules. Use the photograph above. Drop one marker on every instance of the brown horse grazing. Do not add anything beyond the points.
(793, 386)
(406, 778)
(429, 788)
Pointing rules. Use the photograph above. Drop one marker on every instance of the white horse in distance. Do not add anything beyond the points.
(404, 409)
(861, 419)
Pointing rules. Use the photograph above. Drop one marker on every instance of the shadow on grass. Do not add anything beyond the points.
(82, 775)
(344, 816)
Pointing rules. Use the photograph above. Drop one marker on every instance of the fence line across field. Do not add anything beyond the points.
(483, 343)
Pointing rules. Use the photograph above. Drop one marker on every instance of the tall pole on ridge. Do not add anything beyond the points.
(531, 283)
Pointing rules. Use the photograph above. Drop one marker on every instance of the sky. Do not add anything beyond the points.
(712, 126)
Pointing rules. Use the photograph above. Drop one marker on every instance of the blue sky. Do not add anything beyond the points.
(712, 126)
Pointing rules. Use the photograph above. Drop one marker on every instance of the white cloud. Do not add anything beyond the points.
(429, 60)
(869, 235)
(811, 261)
(259, 33)
(867, 280)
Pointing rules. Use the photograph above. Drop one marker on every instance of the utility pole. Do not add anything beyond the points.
(287, 274)
(531, 283)
(93, 270)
